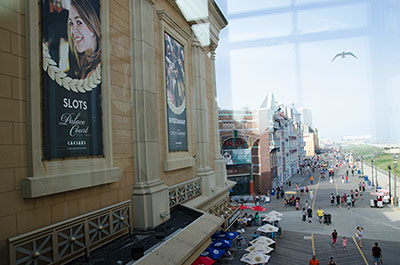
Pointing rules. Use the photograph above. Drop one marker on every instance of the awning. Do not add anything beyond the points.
(227, 209)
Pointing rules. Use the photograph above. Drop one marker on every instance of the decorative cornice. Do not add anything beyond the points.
(166, 18)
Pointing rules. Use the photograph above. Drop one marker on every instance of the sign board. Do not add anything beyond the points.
(175, 94)
(235, 143)
(71, 79)
(237, 156)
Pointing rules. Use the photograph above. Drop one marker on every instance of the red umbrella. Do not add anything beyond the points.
(203, 261)
(244, 207)
(258, 208)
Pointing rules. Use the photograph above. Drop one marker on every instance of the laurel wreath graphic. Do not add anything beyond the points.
(62, 79)
(177, 110)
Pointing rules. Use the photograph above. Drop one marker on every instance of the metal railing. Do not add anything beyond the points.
(65, 241)
(184, 191)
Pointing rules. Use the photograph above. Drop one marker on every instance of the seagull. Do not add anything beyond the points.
(343, 54)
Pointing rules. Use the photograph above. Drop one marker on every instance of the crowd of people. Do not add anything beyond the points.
(300, 200)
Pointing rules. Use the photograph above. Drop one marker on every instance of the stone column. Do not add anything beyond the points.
(150, 195)
(219, 163)
(204, 171)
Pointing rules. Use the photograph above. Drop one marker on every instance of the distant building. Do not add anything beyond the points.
(245, 150)
(274, 133)
(310, 137)
(306, 117)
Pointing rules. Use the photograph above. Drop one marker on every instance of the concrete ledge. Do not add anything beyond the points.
(40, 186)
(204, 202)
(186, 245)
(178, 163)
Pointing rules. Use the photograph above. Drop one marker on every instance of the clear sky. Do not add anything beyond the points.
(286, 47)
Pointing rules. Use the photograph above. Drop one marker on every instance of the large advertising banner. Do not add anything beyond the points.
(71, 79)
(176, 94)
(237, 156)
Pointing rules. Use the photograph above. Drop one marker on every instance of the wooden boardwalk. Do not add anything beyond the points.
(295, 248)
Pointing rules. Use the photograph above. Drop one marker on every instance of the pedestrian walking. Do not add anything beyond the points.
(332, 199)
(304, 214)
(257, 219)
(337, 199)
(332, 261)
(348, 202)
(356, 194)
(361, 196)
(377, 254)
(306, 204)
(240, 239)
(309, 214)
(363, 186)
(344, 243)
(282, 193)
(307, 190)
(359, 186)
(334, 238)
(347, 179)
(320, 214)
(312, 179)
(313, 261)
(297, 187)
(311, 194)
(342, 179)
(359, 235)
(352, 201)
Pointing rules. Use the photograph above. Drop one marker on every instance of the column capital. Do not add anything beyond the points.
(195, 41)
(213, 54)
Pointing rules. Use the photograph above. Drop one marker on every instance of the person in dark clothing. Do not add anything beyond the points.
(337, 200)
(331, 261)
(334, 237)
(309, 213)
(332, 199)
(377, 254)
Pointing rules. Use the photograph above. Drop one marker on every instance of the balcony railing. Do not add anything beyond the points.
(184, 191)
(65, 241)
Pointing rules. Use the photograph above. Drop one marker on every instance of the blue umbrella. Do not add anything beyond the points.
(231, 235)
(221, 244)
(213, 253)
(219, 234)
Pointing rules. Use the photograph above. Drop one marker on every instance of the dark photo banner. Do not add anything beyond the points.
(71, 79)
(176, 94)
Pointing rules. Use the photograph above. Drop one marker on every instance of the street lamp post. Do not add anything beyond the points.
(362, 166)
(376, 175)
(372, 172)
(395, 185)
(390, 186)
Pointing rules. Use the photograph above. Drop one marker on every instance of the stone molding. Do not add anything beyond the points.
(74, 168)
(150, 195)
(176, 160)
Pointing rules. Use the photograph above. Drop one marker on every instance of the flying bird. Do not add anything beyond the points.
(343, 54)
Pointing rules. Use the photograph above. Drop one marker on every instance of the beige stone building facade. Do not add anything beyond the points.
(85, 201)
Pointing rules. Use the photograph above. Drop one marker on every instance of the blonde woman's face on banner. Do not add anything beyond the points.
(83, 38)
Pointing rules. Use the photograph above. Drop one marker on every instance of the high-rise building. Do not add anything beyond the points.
(306, 117)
